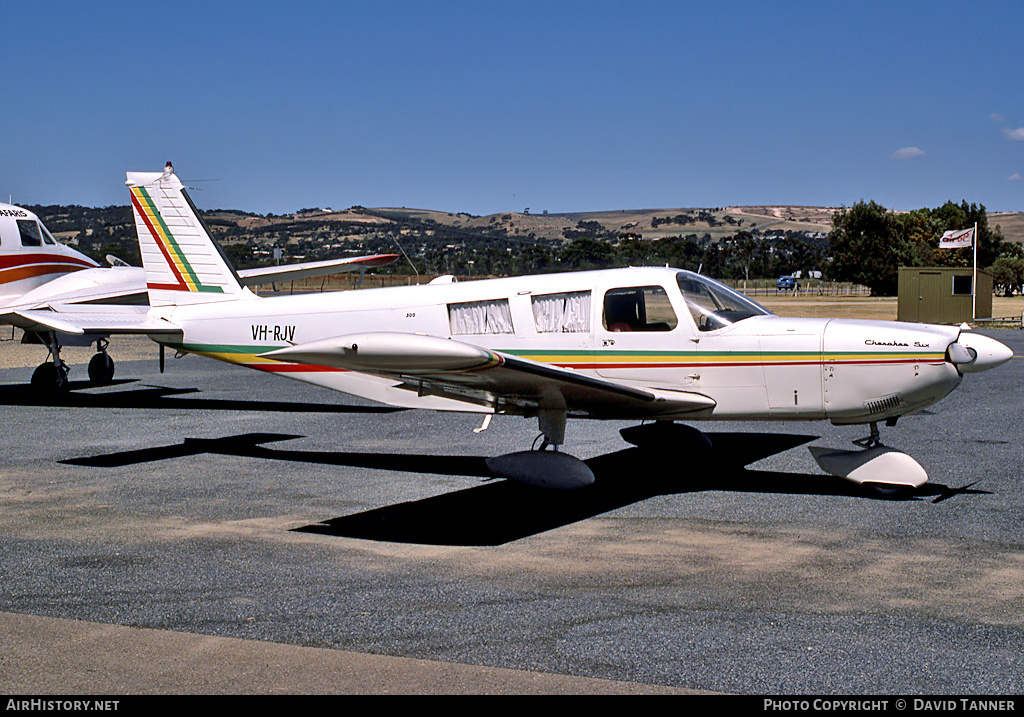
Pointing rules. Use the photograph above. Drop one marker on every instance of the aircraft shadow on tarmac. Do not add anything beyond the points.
(162, 397)
(502, 511)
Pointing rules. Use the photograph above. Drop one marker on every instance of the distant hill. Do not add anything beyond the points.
(645, 223)
(451, 242)
(1010, 223)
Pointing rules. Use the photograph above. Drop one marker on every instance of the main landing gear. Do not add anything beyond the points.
(50, 379)
(887, 471)
(545, 468)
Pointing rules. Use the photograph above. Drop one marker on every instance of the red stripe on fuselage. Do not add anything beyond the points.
(291, 368)
(740, 364)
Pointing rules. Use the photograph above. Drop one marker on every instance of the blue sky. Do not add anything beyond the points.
(487, 106)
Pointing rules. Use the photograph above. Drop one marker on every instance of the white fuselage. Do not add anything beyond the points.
(759, 367)
(30, 256)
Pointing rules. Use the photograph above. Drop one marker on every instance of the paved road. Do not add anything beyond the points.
(266, 536)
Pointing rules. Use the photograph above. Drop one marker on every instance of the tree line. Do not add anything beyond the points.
(869, 243)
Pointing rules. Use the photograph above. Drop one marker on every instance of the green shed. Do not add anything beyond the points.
(942, 295)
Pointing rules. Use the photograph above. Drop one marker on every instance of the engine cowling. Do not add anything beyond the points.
(877, 370)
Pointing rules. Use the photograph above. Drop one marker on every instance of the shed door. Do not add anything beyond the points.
(931, 296)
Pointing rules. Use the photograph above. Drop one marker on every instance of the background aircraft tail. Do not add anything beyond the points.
(184, 265)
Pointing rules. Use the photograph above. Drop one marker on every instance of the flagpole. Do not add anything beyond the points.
(974, 279)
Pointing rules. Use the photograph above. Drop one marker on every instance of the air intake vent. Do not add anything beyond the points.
(883, 404)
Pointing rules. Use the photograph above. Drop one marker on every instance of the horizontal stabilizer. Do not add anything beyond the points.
(79, 320)
(310, 269)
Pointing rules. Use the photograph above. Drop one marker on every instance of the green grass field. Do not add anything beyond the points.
(864, 307)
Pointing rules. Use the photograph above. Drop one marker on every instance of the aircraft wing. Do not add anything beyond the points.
(289, 272)
(475, 377)
(100, 320)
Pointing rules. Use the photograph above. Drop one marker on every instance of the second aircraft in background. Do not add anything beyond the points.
(39, 273)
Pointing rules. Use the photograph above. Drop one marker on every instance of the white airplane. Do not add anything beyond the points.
(30, 256)
(38, 272)
(653, 344)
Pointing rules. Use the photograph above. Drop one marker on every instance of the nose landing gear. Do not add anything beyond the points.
(888, 471)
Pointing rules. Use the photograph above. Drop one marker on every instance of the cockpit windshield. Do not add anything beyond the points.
(713, 305)
(47, 236)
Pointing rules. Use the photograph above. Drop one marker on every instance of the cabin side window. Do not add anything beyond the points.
(480, 317)
(639, 308)
(567, 313)
(30, 234)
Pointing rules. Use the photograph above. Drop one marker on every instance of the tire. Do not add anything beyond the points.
(49, 381)
(101, 369)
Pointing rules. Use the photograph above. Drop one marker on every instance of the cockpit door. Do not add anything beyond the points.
(641, 336)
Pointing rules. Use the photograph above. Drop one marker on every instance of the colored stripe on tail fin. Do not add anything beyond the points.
(183, 262)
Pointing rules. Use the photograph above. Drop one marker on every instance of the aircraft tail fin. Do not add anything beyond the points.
(183, 262)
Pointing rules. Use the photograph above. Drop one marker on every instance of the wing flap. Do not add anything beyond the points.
(433, 366)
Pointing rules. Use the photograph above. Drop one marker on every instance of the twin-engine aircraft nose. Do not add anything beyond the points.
(973, 353)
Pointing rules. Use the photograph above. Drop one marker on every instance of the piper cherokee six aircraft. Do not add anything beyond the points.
(640, 343)
(38, 272)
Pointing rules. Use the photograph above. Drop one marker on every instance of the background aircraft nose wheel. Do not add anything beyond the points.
(101, 369)
(50, 379)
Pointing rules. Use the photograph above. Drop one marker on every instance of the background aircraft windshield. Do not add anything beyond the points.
(713, 305)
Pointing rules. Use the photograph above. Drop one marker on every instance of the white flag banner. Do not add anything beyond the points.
(963, 239)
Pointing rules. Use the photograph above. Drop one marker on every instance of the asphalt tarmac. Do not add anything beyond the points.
(216, 530)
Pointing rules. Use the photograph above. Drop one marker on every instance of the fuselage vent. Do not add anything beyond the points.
(883, 404)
